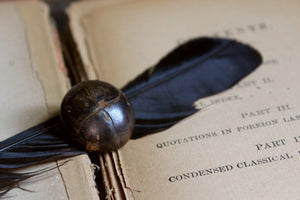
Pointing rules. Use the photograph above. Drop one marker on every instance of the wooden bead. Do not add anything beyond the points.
(98, 116)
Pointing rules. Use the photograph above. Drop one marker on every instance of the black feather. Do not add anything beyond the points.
(161, 96)
(165, 93)
(42, 143)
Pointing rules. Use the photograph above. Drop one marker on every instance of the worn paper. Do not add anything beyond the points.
(32, 84)
(243, 143)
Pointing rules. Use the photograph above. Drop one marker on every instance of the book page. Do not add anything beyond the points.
(17, 78)
(33, 82)
(244, 142)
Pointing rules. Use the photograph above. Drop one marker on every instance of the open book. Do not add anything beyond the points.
(243, 143)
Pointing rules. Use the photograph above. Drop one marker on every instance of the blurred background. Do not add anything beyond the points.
(57, 8)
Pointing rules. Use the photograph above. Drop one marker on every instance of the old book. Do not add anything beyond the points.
(244, 142)
(32, 84)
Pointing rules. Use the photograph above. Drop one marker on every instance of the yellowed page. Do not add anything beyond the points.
(33, 82)
(243, 143)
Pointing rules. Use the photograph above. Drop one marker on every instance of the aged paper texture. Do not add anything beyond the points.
(244, 142)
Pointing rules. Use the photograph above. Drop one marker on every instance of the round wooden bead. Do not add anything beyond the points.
(98, 116)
